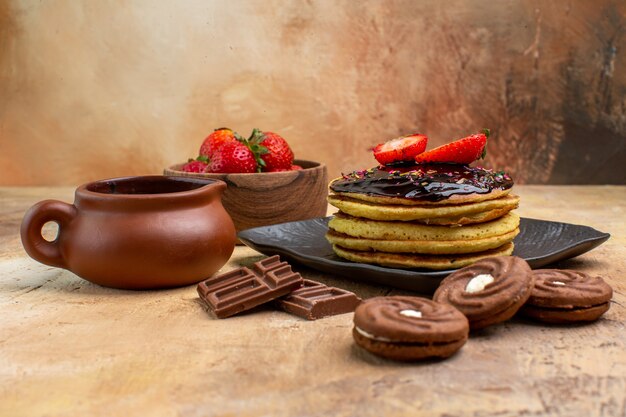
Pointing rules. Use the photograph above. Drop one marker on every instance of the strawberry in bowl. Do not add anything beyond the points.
(225, 151)
(218, 138)
(277, 155)
(266, 185)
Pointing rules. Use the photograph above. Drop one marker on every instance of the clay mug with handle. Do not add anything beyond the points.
(143, 232)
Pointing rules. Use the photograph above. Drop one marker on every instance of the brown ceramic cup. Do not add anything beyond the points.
(136, 232)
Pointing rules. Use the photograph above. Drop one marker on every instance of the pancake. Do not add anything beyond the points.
(406, 261)
(373, 229)
(431, 216)
(421, 246)
(449, 214)
(424, 184)
(455, 199)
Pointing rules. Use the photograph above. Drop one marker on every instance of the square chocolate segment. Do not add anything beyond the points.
(243, 288)
(315, 300)
(268, 264)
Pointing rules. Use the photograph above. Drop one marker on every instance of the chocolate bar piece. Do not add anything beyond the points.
(315, 300)
(243, 288)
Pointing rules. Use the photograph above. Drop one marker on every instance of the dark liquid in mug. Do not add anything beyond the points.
(157, 185)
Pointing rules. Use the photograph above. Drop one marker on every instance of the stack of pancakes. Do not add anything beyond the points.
(432, 216)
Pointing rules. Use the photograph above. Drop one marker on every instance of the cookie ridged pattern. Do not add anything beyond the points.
(381, 316)
(512, 285)
(558, 288)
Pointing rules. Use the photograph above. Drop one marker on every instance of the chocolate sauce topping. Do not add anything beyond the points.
(431, 182)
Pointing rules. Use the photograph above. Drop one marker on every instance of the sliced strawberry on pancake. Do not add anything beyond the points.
(462, 151)
(404, 148)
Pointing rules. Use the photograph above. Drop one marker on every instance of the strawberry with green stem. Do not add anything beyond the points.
(274, 153)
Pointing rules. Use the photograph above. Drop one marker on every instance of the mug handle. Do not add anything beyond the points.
(36, 246)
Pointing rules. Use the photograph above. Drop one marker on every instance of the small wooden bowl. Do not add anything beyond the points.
(261, 199)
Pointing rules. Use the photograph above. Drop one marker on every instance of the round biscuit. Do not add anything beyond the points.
(409, 328)
(567, 296)
(507, 284)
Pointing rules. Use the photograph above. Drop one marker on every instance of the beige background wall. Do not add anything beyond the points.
(95, 89)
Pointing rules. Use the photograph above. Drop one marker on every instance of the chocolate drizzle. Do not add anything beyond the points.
(431, 182)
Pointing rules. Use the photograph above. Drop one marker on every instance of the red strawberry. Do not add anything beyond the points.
(233, 157)
(275, 153)
(293, 168)
(216, 139)
(400, 149)
(462, 151)
(195, 165)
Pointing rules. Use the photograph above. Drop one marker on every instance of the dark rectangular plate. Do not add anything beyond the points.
(540, 243)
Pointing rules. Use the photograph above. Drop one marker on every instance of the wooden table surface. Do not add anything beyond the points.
(68, 347)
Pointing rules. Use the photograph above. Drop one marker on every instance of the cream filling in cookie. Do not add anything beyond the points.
(371, 336)
(412, 313)
(478, 283)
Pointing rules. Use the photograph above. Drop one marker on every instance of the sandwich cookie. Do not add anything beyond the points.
(566, 296)
(409, 328)
(490, 291)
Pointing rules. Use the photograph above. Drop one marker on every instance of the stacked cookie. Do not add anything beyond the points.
(435, 216)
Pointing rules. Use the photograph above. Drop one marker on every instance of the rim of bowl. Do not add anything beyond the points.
(314, 165)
